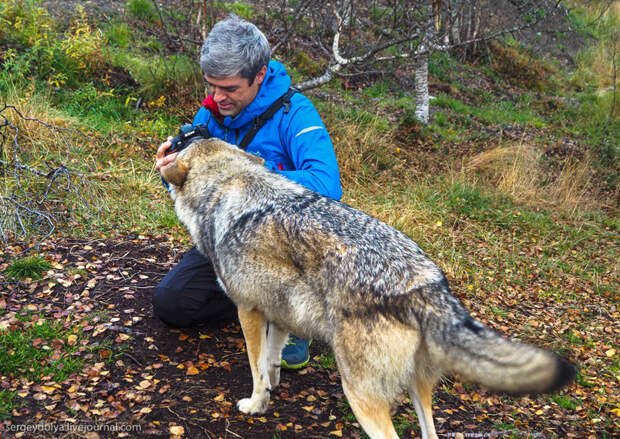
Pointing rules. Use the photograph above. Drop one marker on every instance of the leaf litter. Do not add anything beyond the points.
(185, 382)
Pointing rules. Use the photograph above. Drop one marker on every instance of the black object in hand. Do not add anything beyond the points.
(187, 134)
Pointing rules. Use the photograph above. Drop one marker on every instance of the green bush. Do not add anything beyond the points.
(60, 59)
(118, 34)
(29, 267)
(142, 10)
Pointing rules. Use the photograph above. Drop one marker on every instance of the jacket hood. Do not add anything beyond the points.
(276, 83)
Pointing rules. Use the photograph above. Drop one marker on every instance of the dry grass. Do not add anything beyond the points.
(597, 60)
(521, 172)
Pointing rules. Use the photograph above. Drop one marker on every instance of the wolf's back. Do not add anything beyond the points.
(481, 355)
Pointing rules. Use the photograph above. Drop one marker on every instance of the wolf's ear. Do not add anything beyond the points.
(254, 158)
(176, 173)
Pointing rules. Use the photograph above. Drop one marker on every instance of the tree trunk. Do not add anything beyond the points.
(421, 89)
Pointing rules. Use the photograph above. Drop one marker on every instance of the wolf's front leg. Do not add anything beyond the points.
(271, 362)
(256, 332)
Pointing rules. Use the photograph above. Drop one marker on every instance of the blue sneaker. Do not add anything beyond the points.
(295, 354)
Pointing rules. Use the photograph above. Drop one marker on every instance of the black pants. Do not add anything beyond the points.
(189, 294)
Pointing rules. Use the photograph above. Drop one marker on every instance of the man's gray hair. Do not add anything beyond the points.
(234, 46)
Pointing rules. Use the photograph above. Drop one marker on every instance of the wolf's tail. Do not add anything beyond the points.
(482, 355)
(459, 344)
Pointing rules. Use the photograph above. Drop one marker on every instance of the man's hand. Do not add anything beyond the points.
(161, 159)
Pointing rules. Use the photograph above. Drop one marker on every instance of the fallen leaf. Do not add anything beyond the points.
(177, 430)
(145, 384)
(610, 353)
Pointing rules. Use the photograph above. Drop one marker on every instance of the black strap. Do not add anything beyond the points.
(259, 121)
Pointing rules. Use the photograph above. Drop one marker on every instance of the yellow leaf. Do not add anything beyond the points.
(336, 433)
(72, 340)
(145, 410)
(177, 430)
(145, 384)
(192, 371)
(48, 389)
(610, 353)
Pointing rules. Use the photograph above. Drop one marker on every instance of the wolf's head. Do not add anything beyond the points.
(199, 155)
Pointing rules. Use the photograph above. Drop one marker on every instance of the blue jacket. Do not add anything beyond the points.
(295, 144)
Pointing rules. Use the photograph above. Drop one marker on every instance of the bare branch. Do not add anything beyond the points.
(33, 196)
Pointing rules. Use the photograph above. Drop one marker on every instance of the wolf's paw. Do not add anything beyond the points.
(252, 406)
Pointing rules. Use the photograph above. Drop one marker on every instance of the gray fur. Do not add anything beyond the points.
(319, 268)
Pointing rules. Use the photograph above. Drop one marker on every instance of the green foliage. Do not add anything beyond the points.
(97, 109)
(158, 75)
(59, 59)
(22, 23)
(519, 66)
(441, 65)
(8, 402)
(142, 10)
(242, 9)
(494, 112)
(378, 12)
(21, 353)
(565, 402)
(379, 89)
(327, 361)
(305, 64)
(30, 267)
(118, 34)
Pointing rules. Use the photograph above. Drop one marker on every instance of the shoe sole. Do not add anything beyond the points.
(287, 366)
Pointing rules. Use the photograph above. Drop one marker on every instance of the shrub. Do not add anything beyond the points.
(30, 267)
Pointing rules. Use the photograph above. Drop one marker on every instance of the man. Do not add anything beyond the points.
(244, 83)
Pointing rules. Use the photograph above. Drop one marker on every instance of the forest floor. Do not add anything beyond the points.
(148, 380)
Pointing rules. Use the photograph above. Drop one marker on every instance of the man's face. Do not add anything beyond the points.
(235, 93)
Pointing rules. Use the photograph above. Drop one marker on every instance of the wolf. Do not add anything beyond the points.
(295, 261)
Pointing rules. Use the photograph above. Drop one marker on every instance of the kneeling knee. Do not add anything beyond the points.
(167, 307)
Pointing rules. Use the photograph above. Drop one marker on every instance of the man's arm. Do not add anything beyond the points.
(310, 148)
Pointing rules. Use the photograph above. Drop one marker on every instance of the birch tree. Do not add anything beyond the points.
(384, 36)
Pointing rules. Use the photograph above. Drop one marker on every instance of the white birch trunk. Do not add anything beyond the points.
(421, 89)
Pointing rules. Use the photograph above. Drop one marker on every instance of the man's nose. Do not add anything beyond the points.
(218, 96)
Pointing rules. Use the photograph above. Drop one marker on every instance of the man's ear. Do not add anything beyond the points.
(260, 75)
(176, 173)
